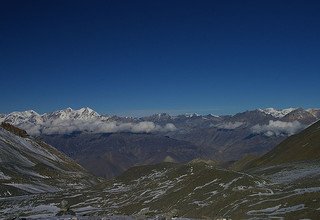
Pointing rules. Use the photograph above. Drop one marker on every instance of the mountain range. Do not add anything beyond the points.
(284, 183)
(91, 121)
(110, 154)
(108, 145)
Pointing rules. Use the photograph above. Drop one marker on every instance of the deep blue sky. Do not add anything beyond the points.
(139, 57)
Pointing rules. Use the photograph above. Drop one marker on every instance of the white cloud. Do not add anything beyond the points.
(230, 125)
(276, 128)
(67, 126)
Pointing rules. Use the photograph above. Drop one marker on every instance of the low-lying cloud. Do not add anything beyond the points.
(60, 126)
(276, 128)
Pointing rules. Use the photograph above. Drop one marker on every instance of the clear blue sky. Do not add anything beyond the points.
(139, 57)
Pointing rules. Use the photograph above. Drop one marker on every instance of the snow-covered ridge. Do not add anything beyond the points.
(85, 119)
(277, 113)
(34, 117)
(69, 113)
(190, 115)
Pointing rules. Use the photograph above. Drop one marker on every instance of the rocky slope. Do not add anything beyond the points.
(30, 166)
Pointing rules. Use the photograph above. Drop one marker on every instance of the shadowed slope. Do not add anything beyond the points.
(32, 166)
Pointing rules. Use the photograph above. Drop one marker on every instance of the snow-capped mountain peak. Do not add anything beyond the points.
(86, 113)
(88, 110)
(277, 113)
(69, 113)
(86, 119)
(190, 115)
(20, 117)
(27, 113)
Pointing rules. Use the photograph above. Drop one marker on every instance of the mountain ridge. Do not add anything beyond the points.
(296, 148)
(29, 166)
(87, 111)
(85, 118)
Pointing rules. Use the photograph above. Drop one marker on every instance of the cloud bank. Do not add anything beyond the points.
(276, 128)
(60, 126)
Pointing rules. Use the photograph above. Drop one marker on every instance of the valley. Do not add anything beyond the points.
(284, 183)
(108, 145)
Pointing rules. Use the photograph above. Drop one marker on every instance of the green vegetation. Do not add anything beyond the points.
(304, 146)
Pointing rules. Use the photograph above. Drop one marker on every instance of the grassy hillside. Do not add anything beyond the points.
(304, 146)
(193, 190)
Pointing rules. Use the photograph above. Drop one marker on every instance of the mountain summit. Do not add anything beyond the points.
(277, 113)
(68, 113)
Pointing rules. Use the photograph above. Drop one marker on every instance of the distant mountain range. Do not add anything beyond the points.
(109, 155)
(86, 119)
(108, 145)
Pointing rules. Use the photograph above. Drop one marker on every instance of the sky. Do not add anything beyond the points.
(142, 57)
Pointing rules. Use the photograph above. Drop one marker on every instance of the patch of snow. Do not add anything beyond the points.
(200, 203)
(33, 188)
(264, 211)
(180, 178)
(212, 193)
(293, 174)
(277, 113)
(191, 171)
(4, 177)
(307, 190)
(227, 185)
(276, 210)
(30, 173)
(207, 184)
(85, 210)
(42, 211)
(241, 188)
(118, 188)
(289, 209)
